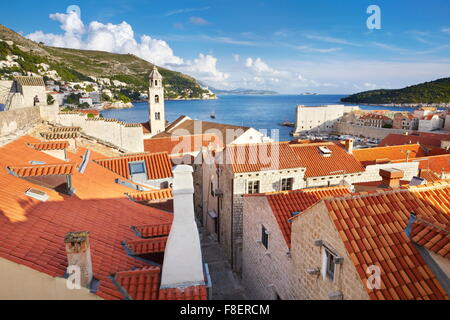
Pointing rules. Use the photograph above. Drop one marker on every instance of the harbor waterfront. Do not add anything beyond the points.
(257, 111)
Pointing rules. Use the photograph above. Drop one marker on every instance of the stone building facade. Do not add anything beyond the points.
(316, 225)
(266, 272)
(26, 92)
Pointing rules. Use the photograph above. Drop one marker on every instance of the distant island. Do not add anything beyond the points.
(241, 91)
(434, 92)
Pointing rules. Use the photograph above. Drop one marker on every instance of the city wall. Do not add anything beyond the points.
(128, 137)
(368, 132)
(17, 122)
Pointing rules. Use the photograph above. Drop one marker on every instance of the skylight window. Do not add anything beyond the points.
(37, 194)
(137, 168)
(325, 151)
(36, 163)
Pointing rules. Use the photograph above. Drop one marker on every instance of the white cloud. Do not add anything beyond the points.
(186, 10)
(332, 40)
(236, 57)
(445, 29)
(259, 67)
(198, 21)
(205, 68)
(319, 50)
(120, 38)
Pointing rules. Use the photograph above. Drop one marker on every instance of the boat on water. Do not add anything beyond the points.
(213, 115)
(287, 124)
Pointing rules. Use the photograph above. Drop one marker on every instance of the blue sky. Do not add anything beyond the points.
(290, 46)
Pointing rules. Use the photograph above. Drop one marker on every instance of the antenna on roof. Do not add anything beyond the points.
(85, 161)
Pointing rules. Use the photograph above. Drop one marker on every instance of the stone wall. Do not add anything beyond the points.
(17, 122)
(369, 132)
(315, 224)
(5, 89)
(266, 273)
(128, 137)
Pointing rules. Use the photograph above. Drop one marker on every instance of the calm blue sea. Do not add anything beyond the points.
(258, 111)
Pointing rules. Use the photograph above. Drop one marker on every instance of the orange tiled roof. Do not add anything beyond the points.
(372, 228)
(283, 204)
(286, 155)
(47, 146)
(428, 175)
(371, 155)
(433, 237)
(176, 145)
(432, 140)
(154, 195)
(158, 165)
(146, 246)
(60, 135)
(43, 170)
(152, 231)
(65, 129)
(89, 111)
(190, 293)
(340, 162)
(98, 207)
(142, 284)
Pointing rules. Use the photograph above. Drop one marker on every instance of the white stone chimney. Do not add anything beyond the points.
(79, 254)
(183, 266)
(349, 146)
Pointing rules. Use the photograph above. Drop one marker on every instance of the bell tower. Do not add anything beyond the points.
(157, 119)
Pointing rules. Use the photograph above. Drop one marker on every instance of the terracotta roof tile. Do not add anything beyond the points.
(154, 195)
(142, 284)
(431, 236)
(151, 231)
(285, 155)
(47, 146)
(146, 246)
(30, 81)
(189, 127)
(176, 145)
(65, 129)
(32, 232)
(283, 204)
(43, 170)
(374, 155)
(191, 293)
(429, 140)
(158, 165)
(387, 213)
(60, 135)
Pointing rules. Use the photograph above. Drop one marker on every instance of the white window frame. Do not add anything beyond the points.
(287, 178)
(326, 254)
(253, 181)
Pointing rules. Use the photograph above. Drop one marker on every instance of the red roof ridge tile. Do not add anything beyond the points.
(186, 293)
(163, 194)
(49, 145)
(66, 168)
(146, 246)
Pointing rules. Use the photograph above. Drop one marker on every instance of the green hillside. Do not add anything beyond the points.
(79, 65)
(429, 92)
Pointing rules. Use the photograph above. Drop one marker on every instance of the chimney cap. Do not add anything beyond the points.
(183, 169)
(392, 173)
(76, 237)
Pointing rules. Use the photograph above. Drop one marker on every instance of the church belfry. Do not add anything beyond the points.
(157, 119)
